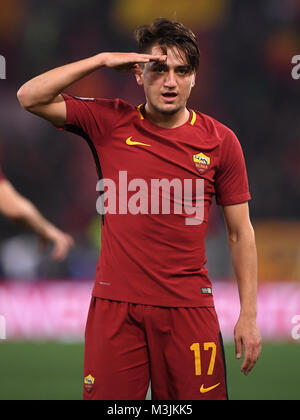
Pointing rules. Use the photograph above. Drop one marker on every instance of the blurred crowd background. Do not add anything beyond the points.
(244, 81)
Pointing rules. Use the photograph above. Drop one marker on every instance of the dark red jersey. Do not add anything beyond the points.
(150, 255)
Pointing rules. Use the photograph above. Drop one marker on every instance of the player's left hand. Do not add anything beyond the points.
(248, 341)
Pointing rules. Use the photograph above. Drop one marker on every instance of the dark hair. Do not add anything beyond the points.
(168, 33)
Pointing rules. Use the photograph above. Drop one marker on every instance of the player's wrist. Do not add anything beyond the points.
(248, 314)
(102, 59)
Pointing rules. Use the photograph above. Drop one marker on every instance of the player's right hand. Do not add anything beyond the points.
(129, 62)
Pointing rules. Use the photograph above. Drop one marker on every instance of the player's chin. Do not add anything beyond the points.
(169, 109)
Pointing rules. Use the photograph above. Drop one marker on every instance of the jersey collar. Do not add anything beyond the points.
(192, 120)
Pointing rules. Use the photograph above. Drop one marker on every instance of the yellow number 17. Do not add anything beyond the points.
(195, 347)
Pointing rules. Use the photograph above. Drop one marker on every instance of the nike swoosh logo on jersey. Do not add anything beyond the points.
(129, 142)
(205, 390)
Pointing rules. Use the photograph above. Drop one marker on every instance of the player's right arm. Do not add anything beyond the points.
(42, 95)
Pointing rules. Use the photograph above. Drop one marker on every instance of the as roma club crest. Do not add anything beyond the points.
(202, 162)
(89, 383)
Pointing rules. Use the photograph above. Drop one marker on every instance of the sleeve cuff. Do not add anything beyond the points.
(233, 199)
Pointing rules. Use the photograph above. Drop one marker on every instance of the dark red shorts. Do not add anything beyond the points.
(179, 350)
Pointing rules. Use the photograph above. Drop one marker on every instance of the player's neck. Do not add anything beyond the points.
(167, 120)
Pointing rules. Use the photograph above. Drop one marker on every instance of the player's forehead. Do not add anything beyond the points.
(175, 56)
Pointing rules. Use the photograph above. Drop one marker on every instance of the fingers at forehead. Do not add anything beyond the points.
(148, 57)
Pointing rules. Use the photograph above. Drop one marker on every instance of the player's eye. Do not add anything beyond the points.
(182, 70)
(159, 69)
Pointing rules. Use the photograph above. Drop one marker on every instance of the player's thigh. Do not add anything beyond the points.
(116, 364)
(190, 357)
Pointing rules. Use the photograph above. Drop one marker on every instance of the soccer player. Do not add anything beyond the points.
(21, 211)
(152, 312)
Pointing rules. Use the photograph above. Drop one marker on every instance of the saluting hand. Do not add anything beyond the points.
(129, 62)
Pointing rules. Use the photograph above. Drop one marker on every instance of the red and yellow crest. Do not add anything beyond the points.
(89, 383)
(202, 162)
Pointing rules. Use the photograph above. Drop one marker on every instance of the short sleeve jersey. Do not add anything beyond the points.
(151, 253)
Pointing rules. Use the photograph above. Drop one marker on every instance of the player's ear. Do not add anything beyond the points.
(193, 80)
(139, 79)
(138, 71)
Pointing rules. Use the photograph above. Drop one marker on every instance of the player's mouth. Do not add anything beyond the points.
(169, 96)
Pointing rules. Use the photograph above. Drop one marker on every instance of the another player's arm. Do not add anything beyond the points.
(21, 211)
(242, 245)
(42, 95)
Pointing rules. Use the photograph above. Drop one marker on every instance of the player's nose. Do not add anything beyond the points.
(170, 80)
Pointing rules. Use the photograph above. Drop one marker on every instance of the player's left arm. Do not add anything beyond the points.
(241, 239)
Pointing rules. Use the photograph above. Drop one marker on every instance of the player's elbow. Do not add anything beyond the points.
(23, 98)
(26, 98)
(240, 233)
